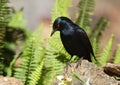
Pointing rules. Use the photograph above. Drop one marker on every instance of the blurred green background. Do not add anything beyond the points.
(39, 11)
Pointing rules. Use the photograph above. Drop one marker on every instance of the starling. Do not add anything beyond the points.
(74, 38)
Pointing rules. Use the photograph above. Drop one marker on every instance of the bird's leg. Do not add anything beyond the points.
(79, 62)
(67, 65)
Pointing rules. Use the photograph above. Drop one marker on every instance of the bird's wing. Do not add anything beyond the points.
(83, 38)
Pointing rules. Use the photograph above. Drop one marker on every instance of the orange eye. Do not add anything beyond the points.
(58, 25)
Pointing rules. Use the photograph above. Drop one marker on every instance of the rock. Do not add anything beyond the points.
(9, 81)
(112, 69)
(89, 73)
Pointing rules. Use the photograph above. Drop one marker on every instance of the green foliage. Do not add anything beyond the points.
(32, 56)
(117, 55)
(53, 66)
(105, 55)
(17, 27)
(61, 8)
(43, 59)
(13, 35)
(17, 20)
(57, 44)
(8, 37)
(96, 33)
(35, 76)
(56, 56)
(77, 77)
(86, 8)
(100, 26)
(4, 18)
(95, 45)
(10, 68)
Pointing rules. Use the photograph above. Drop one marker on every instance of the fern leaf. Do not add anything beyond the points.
(117, 55)
(2, 34)
(95, 48)
(86, 8)
(55, 51)
(75, 75)
(4, 19)
(23, 71)
(105, 55)
(61, 8)
(57, 45)
(17, 20)
(31, 57)
(53, 66)
(35, 76)
(17, 27)
(100, 26)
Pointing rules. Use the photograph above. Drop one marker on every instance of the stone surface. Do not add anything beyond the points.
(89, 73)
(112, 69)
(9, 81)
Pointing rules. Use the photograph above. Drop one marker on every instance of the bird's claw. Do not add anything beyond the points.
(79, 62)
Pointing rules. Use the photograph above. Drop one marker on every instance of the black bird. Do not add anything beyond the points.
(74, 38)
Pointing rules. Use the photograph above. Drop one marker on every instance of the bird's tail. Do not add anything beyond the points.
(87, 57)
(96, 61)
(94, 57)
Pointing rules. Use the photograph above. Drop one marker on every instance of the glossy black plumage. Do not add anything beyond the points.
(73, 37)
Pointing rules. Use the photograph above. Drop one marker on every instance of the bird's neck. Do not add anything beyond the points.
(67, 31)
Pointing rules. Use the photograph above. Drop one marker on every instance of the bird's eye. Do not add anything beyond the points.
(58, 25)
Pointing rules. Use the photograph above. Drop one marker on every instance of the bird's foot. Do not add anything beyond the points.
(67, 66)
(79, 62)
(65, 72)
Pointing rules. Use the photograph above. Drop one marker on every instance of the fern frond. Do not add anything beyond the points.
(61, 8)
(15, 31)
(75, 75)
(10, 68)
(17, 27)
(117, 55)
(2, 34)
(86, 8)
(36, 75)
(31, 57)
(100, 26)
(55, 60)
(95, 45)
(17, 20)
(23, 71)
(105, 55)
(56, 43)
(4, 19)
(53, 66)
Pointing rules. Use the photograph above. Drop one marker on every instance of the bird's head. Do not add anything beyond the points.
(59, 24)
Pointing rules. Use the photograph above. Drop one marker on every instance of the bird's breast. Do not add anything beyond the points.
(66, 37)
(72, 44)
(69, 43)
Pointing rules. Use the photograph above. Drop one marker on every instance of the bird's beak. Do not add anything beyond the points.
(52, 32)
